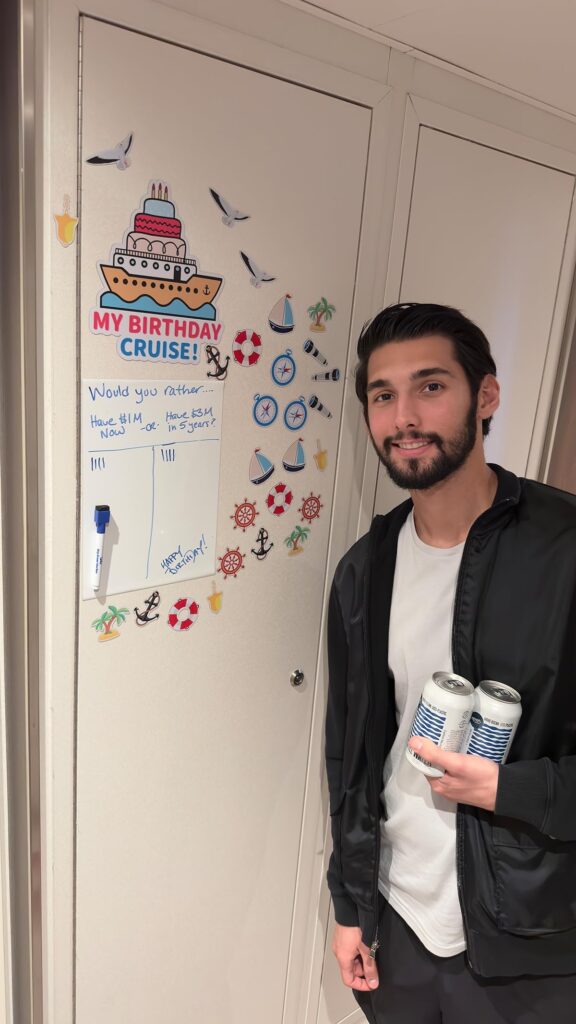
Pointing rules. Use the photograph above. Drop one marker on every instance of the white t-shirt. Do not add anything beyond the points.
(418, 855)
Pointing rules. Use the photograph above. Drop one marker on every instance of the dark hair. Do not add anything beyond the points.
(415, 320)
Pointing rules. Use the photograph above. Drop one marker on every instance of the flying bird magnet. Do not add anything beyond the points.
(257, 276)
(117, 155)
(231, 215)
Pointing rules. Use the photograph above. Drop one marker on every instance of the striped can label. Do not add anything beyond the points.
(493, 723)
(442, 715)
(428, 722)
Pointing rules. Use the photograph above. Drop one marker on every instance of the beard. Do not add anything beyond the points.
(451, 456)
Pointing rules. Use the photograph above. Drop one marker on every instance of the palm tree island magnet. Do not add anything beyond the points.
(296, 539)
(323, 310)
(109, 618)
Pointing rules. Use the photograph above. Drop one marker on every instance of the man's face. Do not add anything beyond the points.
(421, 414)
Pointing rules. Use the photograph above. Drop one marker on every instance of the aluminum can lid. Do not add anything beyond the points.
(453, 683)
(500, 691)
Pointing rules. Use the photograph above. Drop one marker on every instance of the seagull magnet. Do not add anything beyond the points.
(257, 276)
(118, 155)
(231, 215)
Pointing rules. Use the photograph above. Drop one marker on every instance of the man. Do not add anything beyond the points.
(454, 897)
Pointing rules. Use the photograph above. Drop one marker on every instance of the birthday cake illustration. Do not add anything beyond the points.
(152, 272)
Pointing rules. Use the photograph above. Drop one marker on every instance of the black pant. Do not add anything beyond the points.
(417, 987)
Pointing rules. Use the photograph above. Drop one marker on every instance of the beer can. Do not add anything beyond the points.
(494, 720)
(442, 715)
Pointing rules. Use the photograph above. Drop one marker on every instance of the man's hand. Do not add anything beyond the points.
(357, 967)
(467, 779)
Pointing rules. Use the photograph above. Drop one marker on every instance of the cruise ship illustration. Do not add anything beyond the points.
(152, 273)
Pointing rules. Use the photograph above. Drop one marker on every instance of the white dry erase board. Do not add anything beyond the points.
(151, 451)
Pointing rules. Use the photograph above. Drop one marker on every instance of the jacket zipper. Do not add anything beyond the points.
(459, 868)
(459, 818)
(374, 945)
(459, 833)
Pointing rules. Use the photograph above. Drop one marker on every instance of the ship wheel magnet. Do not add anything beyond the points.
(284, 368)
(231, 562)
(265, 410)
(295, 414)
(244, 515)
(310, 507)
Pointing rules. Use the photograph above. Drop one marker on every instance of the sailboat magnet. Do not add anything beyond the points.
(281, 316)
(260, 467)
(294, 457)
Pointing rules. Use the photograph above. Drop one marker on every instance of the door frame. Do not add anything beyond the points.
(294, 45)
(59, 168)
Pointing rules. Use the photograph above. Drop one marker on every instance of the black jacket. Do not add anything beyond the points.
(515, 621)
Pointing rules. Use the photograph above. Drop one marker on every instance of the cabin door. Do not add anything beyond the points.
(192, 726)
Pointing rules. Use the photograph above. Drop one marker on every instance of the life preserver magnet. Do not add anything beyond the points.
(183, 614)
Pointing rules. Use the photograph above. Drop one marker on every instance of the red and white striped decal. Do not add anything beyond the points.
(183, 614)
(246, 348)
(279, 499)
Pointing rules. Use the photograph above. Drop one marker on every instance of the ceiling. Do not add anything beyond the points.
(527, 46)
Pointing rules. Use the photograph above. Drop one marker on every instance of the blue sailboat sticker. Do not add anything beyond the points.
(294, 458)
(281, 317)
(260, 467)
